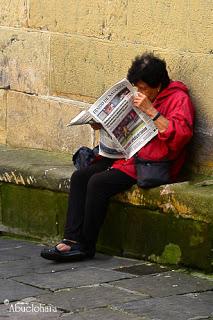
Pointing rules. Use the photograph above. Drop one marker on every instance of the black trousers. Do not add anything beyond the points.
(90, 190)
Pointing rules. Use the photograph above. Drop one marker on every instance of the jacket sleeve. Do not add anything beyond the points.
(180, 129)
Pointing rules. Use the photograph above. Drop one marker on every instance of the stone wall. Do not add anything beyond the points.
(56, 56)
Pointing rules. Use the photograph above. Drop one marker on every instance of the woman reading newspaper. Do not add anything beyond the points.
(168, 104)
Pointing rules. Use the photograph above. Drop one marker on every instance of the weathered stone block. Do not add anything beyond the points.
(166, 284)
(24, 60)
(175, 306)
(34, 212)
(3, 114)
(13, 13)
(171, 24)
(83, 68)
(199, 25)
(42, 123)
(152, 23)
(87, 297)
(36, 168)
(100, 19)
(191, 200)
(201, 154)
(72, 278)
(162, 238)
(15, 291)
(157, 24)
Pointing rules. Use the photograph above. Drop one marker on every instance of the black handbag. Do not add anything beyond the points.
(84, 157)
(152, 173)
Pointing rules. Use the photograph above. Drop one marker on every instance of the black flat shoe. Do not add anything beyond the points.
(74, 254)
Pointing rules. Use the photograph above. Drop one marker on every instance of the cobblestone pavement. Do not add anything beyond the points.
(106, 288)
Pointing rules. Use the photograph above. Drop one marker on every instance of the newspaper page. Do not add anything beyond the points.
(108, 147)
(84, 117)
(129, 128)
(126, 129)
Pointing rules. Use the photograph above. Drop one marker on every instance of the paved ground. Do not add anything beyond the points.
(106, 288)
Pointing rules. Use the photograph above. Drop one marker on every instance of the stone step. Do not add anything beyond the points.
(168, 224)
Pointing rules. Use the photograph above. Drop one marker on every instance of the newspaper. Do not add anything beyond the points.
(84, 117)
(125, 129)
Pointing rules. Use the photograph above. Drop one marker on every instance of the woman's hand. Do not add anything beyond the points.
(144, 104)
(96, 126)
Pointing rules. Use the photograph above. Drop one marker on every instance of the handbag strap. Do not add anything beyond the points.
(142, 160)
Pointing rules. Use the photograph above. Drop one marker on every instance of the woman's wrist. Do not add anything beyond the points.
(160, 121)
(151, 112)
(156, 116)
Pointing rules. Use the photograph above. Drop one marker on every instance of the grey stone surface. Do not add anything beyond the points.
(72, 278)
(13, 290)
(166, 284)
(93, 289)
(109, 262)
(101, 261)
(98, 314)
(22, 310)
(15, 251)
(144, 268)
(7, 242)
(22, 249)
(11, 265)
(80, 299)
(48, 169)
(5, 256)
(178, 307)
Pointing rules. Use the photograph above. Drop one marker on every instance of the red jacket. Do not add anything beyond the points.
(173, 103)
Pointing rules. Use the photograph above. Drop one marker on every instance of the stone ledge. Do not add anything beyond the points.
(52, 171)
(35, 168)
(192, 200)
(168, 224)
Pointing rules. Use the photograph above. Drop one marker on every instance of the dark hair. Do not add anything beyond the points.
(149, 69)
